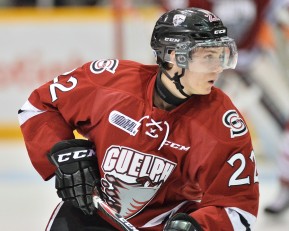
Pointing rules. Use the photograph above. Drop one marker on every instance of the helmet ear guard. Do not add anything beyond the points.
(182, 60)
(167, 43)
(182, 54)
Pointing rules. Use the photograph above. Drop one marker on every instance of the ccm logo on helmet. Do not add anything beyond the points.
(75, 155)
(223, 31)
(175, 40)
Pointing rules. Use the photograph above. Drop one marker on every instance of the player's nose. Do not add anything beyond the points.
(217, 68)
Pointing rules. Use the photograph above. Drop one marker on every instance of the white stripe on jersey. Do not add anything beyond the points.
(233, 214)
(55, 212)
(160, 218)
(28, 111)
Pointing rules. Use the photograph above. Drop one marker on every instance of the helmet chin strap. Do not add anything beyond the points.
(176, 80)
(165, 94)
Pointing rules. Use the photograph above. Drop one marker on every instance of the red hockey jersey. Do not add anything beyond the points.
(197, 158)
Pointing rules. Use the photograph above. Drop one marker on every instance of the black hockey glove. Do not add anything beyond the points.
(182, 222)
(77, 173)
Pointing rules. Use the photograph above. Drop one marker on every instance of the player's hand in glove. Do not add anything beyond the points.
(182, 222)
(77, 173)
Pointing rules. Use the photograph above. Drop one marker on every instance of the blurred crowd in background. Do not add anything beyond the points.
(12, 3)
(57, 3)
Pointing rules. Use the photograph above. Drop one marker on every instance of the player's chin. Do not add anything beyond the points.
(206, 90)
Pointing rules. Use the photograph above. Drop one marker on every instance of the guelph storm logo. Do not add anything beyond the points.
(178, 19)
(237, 126)
(132, 178)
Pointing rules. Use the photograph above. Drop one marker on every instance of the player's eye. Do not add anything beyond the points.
(209, 58)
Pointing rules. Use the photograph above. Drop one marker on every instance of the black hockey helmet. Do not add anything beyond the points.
(183, 30)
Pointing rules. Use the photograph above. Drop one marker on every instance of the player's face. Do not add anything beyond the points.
(204, 68)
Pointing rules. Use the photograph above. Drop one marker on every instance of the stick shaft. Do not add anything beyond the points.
(114, 216)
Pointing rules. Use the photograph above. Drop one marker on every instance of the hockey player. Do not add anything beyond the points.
(165, 148)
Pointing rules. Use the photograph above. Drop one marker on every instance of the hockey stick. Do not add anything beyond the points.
(113, 215)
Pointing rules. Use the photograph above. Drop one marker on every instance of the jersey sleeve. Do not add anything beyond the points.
(75, 100)
(46, 117)
(228, 176)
